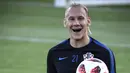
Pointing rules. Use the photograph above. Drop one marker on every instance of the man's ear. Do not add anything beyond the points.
(89, 21)
(65, 22)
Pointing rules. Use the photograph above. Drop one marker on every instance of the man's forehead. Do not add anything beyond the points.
(73, 11)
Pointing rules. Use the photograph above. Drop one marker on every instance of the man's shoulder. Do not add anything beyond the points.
(61, 45)
(99, 44)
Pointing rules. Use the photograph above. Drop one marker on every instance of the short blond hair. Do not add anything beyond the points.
(79, 5)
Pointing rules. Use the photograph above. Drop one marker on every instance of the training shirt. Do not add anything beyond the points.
(63, 58)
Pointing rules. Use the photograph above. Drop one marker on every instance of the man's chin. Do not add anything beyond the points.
(77, 38)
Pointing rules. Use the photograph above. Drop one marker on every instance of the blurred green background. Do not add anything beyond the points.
(45, 1)
(29, 28)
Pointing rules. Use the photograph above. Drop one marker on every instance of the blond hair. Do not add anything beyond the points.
(79, 5)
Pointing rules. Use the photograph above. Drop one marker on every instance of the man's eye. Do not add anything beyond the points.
(71, 18)
(80, 18)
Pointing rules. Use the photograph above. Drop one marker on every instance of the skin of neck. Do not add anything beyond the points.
(80, 42)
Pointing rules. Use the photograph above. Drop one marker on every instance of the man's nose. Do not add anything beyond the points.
(76, 22)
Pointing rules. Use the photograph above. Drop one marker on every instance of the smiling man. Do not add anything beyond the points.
(67, 55)
(77, 22)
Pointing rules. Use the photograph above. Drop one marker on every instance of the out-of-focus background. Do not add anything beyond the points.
(29, 28)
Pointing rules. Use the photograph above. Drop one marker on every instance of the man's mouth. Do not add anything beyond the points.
(77, 30)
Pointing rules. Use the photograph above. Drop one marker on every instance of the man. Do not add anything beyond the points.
(66, 56)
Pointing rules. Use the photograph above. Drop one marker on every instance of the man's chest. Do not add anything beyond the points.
(67, 61)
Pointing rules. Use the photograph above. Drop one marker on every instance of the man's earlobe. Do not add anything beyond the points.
(89, 21)
(64, 23)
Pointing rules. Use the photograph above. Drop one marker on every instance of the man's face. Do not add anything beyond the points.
(77, 21)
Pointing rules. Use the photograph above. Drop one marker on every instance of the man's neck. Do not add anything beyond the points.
(79, 43)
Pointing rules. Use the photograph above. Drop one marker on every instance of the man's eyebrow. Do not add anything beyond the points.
(70, 16)
(76, 16)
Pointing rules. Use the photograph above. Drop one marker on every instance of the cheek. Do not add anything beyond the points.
(84, 24)
(68, 25)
